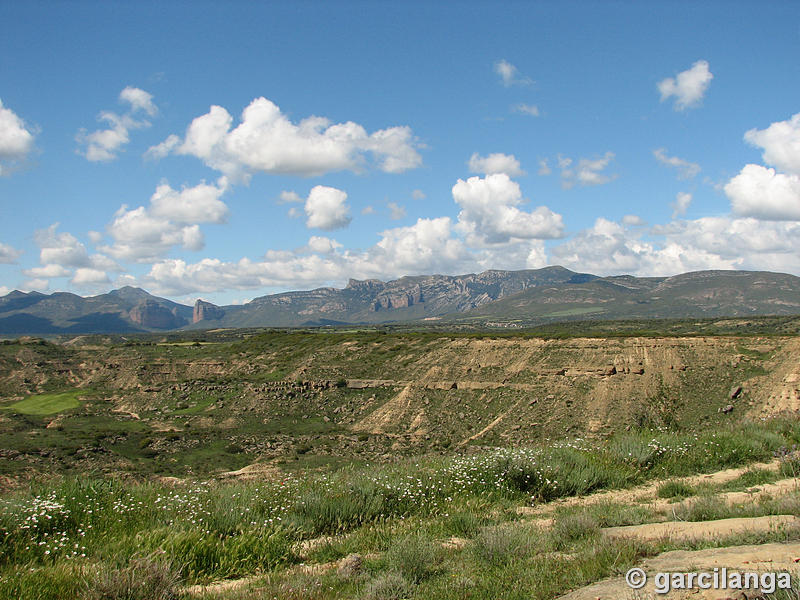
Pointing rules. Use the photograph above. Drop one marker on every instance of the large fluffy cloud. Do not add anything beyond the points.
(16, 140)
(781, 144)
(198, 204)
(267, 141)
(60, 253)
(104, 145)
(427, 246)
(687, 87)
(145, 234)
(62, 249)
(495, 163)
(762, 193)
(326, 208)
(610, 248)
(489, 213)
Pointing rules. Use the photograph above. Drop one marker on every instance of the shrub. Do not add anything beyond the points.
(708, 508)
(464, 524)
(498, 546)
(414, 557)
(389, 586)
(570, 528)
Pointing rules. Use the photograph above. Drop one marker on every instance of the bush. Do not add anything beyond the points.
(704, 509)
(498, 546)
(790, 465)
(464, 524)
(389, 586)
(414, 557)
(570, 528)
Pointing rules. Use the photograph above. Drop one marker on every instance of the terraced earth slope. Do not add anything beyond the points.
(293, 399)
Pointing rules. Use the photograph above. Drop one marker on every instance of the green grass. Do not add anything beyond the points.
(48, 404)
(675, 489)
(62, 535)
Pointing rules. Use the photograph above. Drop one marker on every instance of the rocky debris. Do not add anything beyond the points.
(360, 384)
(726, 409)
(350, 566)
(206, 311)
(736, 391)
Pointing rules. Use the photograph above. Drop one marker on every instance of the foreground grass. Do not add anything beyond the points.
(71, 538)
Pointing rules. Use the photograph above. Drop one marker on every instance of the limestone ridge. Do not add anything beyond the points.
(404, 299)
(492, 298)
(151, 314)
(206, 311)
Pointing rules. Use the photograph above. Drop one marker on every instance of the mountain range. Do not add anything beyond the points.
(493, 298)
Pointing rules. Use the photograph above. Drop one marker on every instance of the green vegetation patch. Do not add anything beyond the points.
(48, 404)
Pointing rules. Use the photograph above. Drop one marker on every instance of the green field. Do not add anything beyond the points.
(47, 404)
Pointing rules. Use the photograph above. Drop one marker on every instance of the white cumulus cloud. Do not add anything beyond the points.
(89, 277)
(8, 254)
(490, 214)
(198, 204)
(322, 245)
(764, 194)
(104, 145)
(781, 144)
(326, 208)
(60, 248)
(139, 100)
(47, 271)
(688, 87)
(267, 141)
(145, 234)
(16, 140)
(495, 163)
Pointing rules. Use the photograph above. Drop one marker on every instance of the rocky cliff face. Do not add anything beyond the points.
(205, 311)
(149, 313)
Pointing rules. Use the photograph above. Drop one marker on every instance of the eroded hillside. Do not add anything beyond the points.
(305, 399)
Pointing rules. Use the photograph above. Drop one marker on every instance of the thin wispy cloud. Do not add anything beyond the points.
(510, 75)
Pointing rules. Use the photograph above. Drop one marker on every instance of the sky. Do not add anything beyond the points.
(230, 150)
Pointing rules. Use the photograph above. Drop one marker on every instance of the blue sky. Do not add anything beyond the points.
(229, 150)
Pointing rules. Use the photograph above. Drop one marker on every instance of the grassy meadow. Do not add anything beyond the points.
(441, 528)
